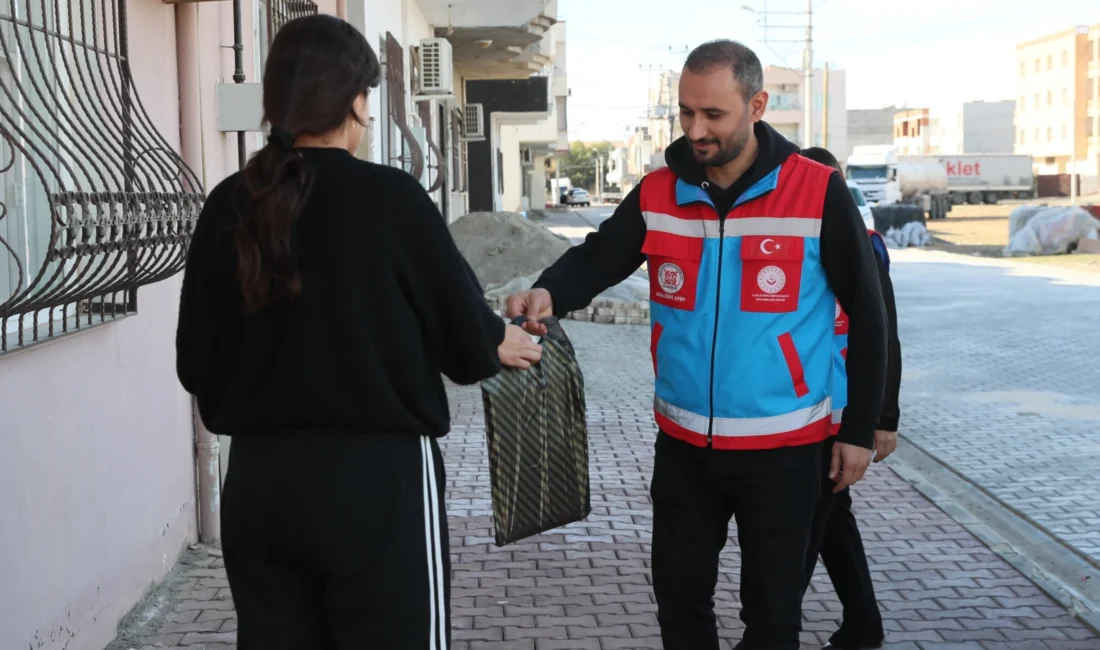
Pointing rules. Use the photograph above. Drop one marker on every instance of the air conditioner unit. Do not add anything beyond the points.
(435, 68)
(473, 127)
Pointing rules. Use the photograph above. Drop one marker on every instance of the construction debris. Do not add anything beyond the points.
(1050, 231)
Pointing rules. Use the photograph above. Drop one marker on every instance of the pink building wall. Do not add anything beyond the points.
(97, 463)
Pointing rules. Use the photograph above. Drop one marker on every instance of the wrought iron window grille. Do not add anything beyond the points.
(400, 148)
(94, 202)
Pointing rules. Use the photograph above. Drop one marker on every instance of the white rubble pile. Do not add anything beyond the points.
(1049, 231)
(911, 234)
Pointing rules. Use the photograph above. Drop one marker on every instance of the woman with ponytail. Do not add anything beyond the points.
(323, 298)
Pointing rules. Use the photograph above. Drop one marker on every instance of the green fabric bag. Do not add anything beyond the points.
(537, 433)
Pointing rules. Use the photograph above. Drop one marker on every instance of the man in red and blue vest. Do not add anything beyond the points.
(749, 248)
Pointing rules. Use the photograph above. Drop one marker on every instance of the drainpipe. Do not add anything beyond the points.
(238, 72)
(193, 150)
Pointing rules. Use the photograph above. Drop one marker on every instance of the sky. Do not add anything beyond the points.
(917, 54)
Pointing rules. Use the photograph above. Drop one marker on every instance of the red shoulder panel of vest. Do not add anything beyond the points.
(799, 192)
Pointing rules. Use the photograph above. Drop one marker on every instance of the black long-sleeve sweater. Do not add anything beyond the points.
(891, 411)
(612, 253)
(387, 304)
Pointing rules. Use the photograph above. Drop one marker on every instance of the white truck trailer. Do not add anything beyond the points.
(983, 177)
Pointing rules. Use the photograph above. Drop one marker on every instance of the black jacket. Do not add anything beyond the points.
(387, 304)
(610, 255)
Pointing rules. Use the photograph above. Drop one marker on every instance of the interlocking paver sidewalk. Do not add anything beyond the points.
(587, 586)
(1002, 383)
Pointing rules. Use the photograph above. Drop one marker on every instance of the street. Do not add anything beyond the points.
(1007, 400)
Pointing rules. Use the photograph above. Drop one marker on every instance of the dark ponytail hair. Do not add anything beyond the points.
(317, 67)
(823, 156)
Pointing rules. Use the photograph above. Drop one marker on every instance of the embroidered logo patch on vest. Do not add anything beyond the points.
(671, 277)
(771, 273)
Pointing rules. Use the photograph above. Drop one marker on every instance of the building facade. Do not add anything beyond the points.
(968, 127)
(911, 133)
(867, 127)
(829, 118)
(1057, 119)
(115, 128)
(663, 109)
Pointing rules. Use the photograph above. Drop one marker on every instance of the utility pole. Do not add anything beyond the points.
(807, 57)
(599, 183)
(825, 108)
(1082, 32)
(557, 181)
(808, 60)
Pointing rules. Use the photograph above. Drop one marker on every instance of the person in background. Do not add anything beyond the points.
(322, 299)
(749, 246)
(835, 535)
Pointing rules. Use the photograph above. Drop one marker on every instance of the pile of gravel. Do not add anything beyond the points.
(504, 246)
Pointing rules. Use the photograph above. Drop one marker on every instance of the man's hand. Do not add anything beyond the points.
(885, 444)
(518, 350)
(535, 304)
(849, 464)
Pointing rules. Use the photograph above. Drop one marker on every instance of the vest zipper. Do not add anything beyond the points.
(717, 310)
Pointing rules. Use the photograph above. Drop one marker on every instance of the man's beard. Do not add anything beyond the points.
(727, 150)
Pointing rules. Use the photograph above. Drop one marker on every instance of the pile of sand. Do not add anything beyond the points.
(504, 246)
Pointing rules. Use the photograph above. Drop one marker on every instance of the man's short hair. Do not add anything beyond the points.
(726, 53)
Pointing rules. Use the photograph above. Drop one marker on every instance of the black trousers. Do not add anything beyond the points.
(772, 495)
(836, 539)
(335, 541)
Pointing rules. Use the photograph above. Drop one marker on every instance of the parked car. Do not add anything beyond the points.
(861, 202)
(577, 196)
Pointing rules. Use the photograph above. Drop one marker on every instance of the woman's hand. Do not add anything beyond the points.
(885, 444)
(518, 350)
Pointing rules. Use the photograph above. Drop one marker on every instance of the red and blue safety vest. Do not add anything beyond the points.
(743, 319)
(840, 348)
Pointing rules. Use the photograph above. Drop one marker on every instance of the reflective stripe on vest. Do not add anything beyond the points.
(742, 314)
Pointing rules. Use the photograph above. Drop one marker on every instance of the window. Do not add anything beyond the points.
(1050, 98)
(89, 215)
(1036, 101)
(276, 13)
(1036, 66)
(1065, 97)
(1021, 137)
(1065, 133)
(1023, 69)
(1036, 136)
(1050, 62)
(1050, 134)
(1065, 59)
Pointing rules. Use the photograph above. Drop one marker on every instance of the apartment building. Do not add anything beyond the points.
(663, 111)
(828, 120)
(107, 475)
(911, 132)
(966, 127)
(1057, 118)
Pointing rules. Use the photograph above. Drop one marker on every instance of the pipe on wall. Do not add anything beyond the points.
(193, 150)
